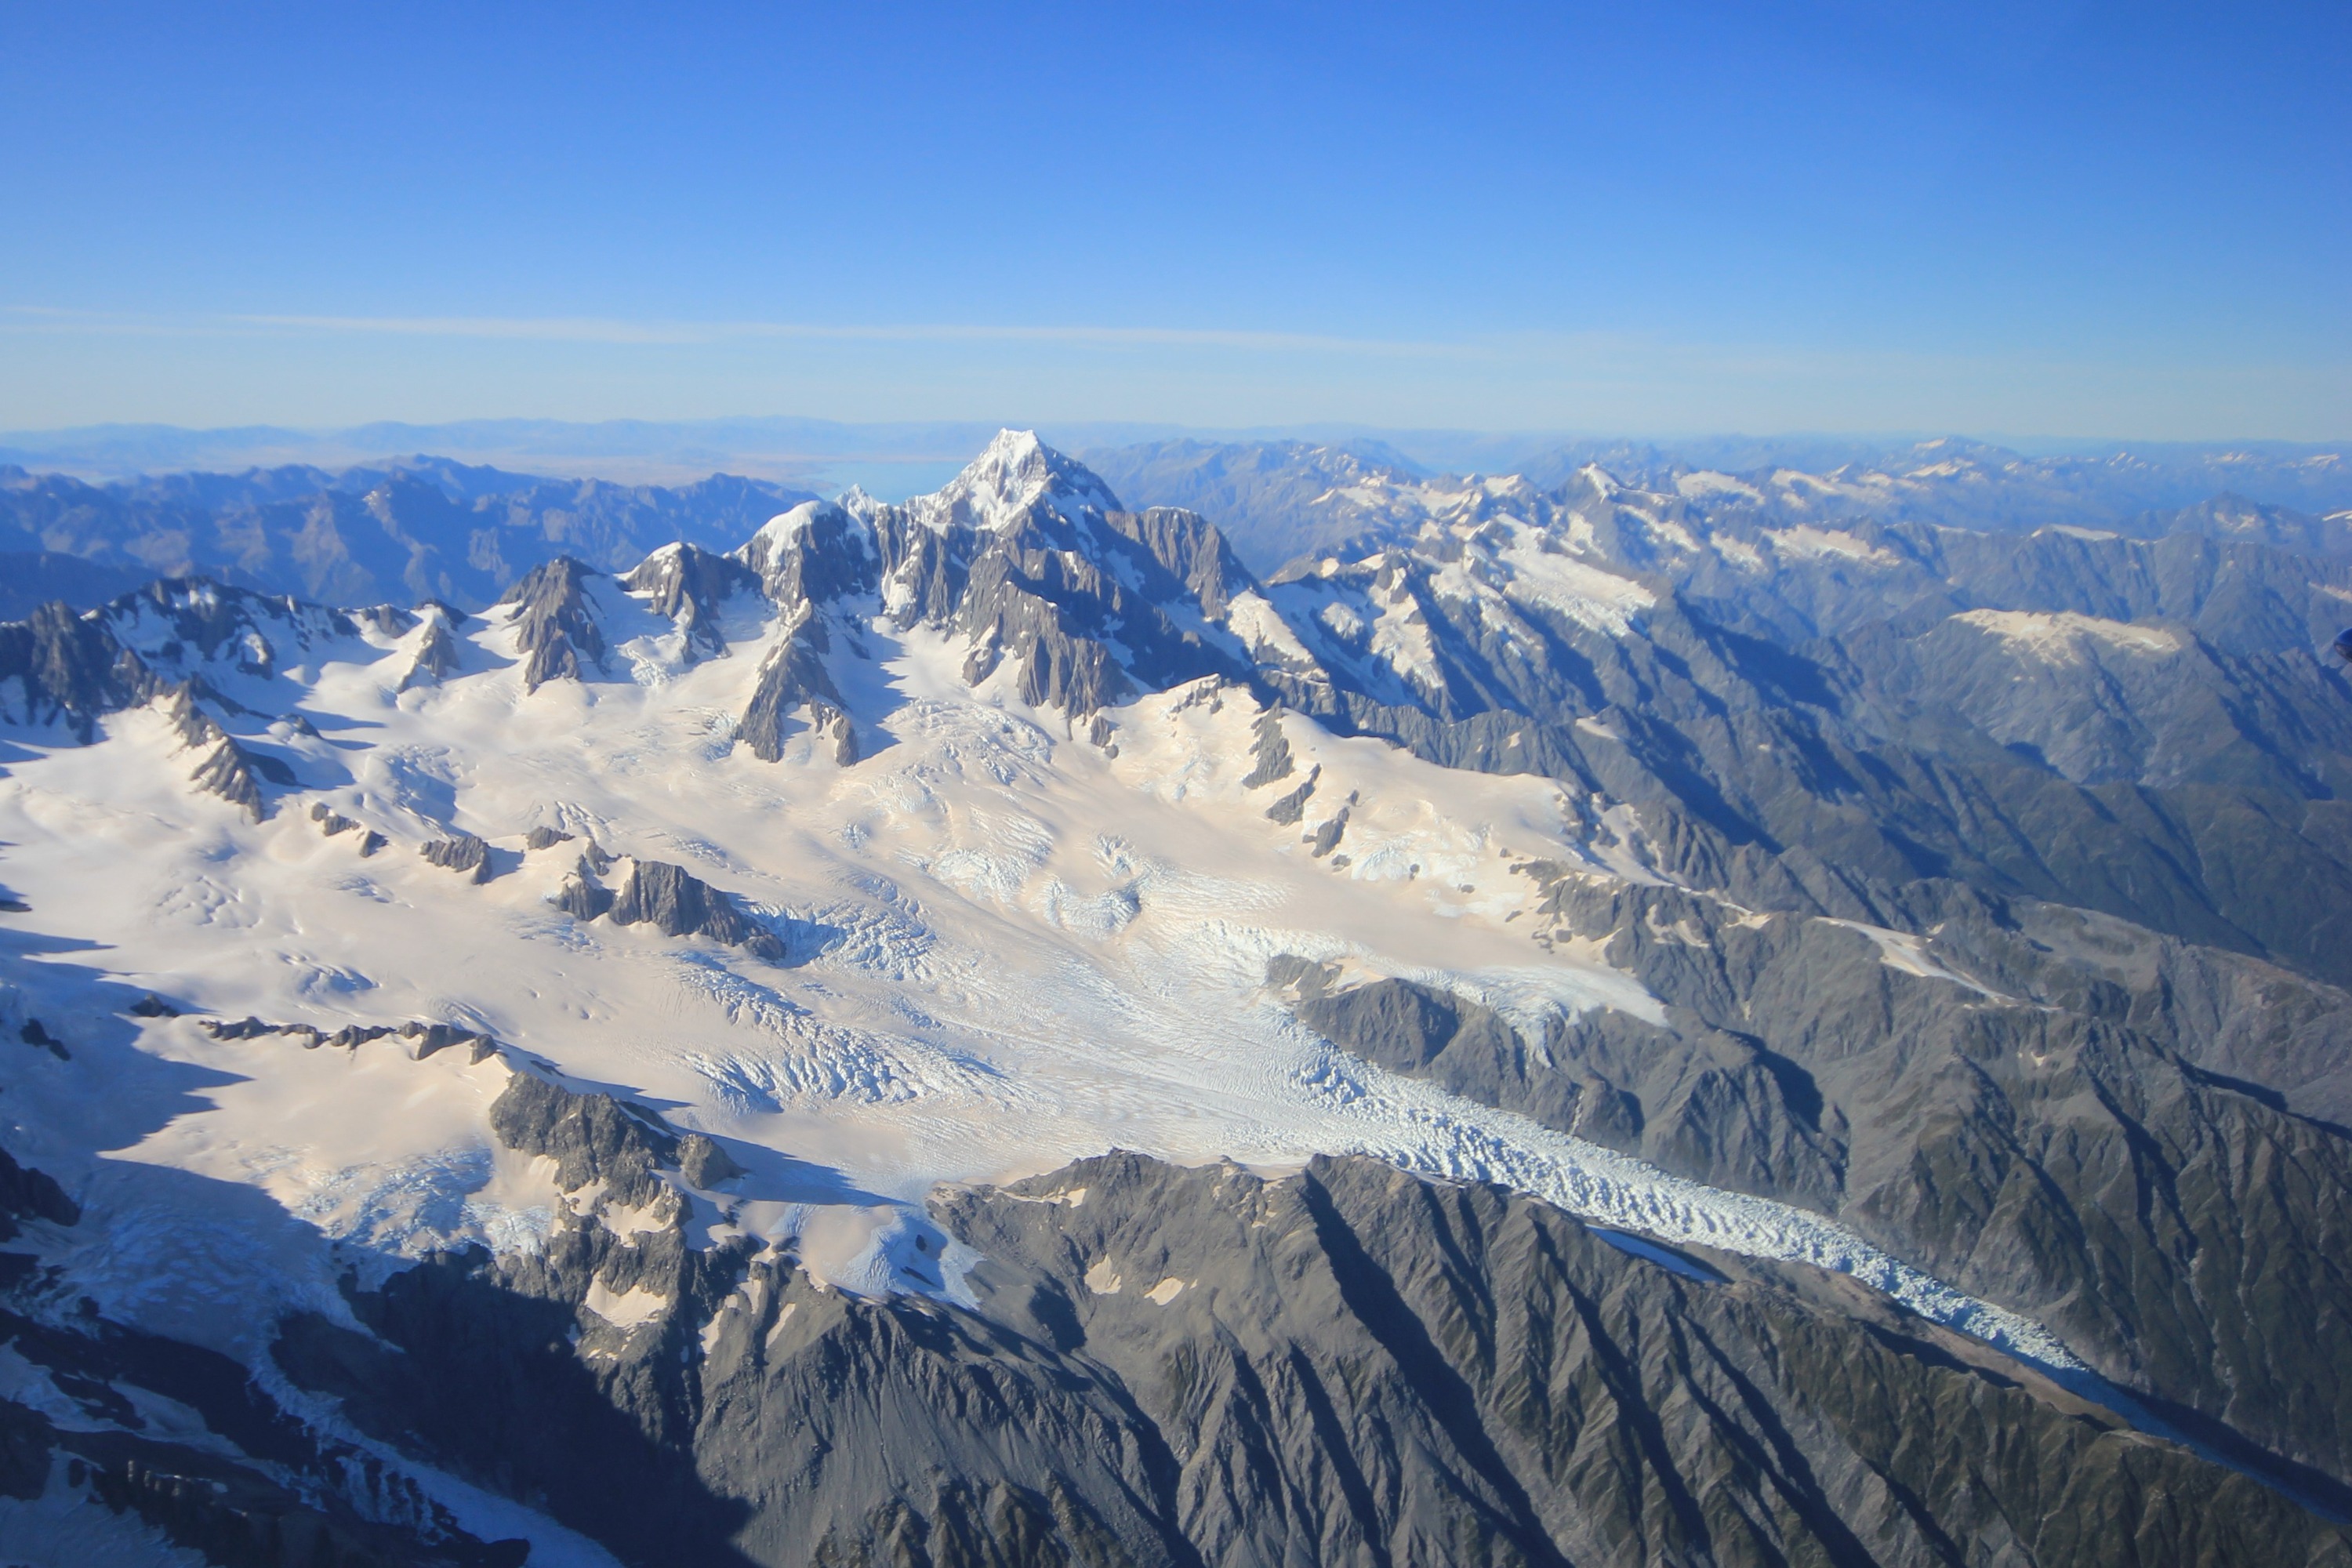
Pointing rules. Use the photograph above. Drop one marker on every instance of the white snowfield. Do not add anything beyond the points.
(2067, 638)
(1010, 947)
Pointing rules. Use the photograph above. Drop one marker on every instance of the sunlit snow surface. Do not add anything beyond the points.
(1011, 948)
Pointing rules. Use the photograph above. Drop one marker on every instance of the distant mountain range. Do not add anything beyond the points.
(433, 527)
(424, 528)
(901, 459)
(1280, 500)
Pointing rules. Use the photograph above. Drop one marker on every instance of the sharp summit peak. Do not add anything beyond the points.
(1012, 473)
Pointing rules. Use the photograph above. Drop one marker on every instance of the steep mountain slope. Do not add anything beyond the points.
(1731, 1077)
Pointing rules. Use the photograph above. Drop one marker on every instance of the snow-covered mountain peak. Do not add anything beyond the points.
(841, 532)
(1599, 480)
(789, 527)
(1013, 475)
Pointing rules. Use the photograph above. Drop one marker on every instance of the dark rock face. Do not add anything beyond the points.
(438, 657)
(582, 898)
(792, 678)
(555, 629)
(590, 1137)
(1326, 837)
(1058, 665)
(813, 557)
(544, 838)
(227, 769)
(1403, 1026)
(1193, 553)
(432, 1038)
(676, 904)
(817, 553)
(687, 583)
(1270, 754)
(30, 1194)
(428, 1038)
(838, 731)
(1173, 1366)
(460, 852)
(227, 772)
(70, 669)
(704, 1164)
(1292, 807)
(330, 823)
(2036, 1135)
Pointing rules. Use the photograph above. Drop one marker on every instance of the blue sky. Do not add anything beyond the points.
(2054, 219)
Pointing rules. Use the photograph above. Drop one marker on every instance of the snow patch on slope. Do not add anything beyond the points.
(2067, 638)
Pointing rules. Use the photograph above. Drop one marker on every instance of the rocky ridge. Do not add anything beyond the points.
(1351, 1365)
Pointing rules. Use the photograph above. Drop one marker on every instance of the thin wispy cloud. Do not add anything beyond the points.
(622, 331)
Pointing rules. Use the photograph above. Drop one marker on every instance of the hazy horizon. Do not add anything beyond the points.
(911, 456)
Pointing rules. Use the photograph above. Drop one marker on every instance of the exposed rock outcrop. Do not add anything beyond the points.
(672, 902)
(438, 654)
(57, 667)
(332, 823)
(833, 726)
(1326, 837)
(227, 769)
(793, 678)
(1168, 1366)
(687, 583)
(31, 1194)
(460, 852)
(677, 904)
(427, 1039)
(817, 552)
(1291, 809)
(581, 896)
(591, 1138)
(555, 627)
(704, 1164)
(1270, 752)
